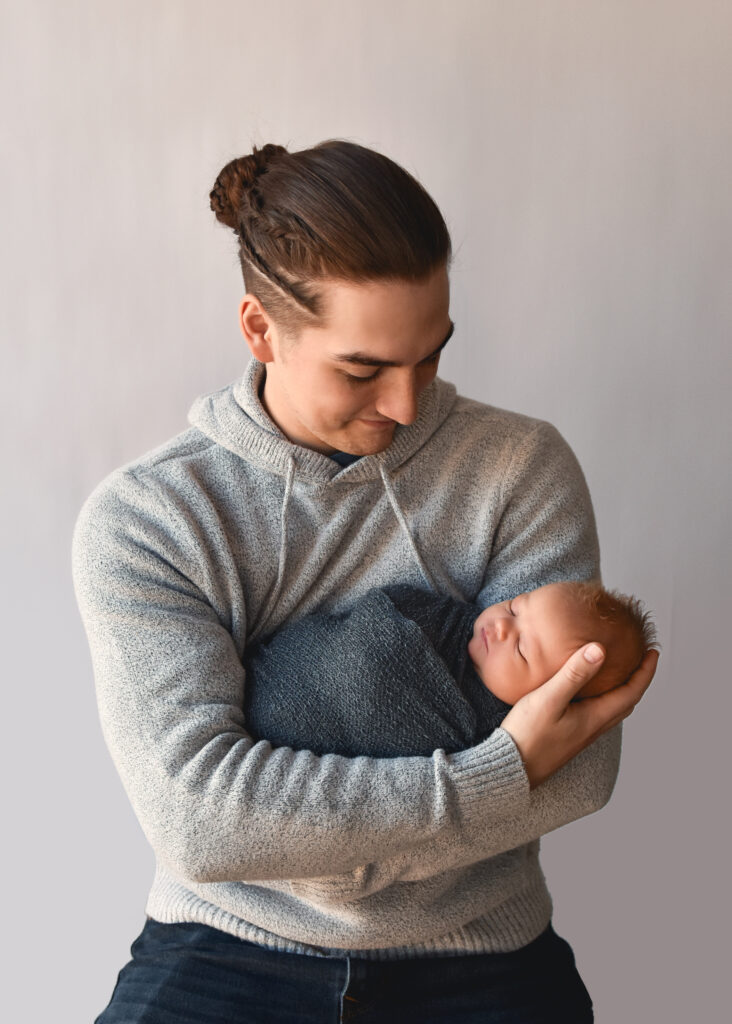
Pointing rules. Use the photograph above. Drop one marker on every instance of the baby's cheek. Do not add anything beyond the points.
(510, 686)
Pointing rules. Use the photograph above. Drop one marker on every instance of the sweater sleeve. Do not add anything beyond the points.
(214, 804)
(547, 533)
(546, 529)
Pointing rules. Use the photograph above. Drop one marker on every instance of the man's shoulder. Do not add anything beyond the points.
(183, 457)
(188, 446)
(143, 487)
(483, 415)
(474, 429)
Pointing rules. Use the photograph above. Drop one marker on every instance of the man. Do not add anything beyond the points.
(294, 883)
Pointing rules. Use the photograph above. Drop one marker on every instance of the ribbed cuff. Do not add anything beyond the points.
(490, 779)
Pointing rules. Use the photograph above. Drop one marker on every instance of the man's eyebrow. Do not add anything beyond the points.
(363, 359)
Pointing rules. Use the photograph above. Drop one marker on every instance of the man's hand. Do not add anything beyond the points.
(549, 728)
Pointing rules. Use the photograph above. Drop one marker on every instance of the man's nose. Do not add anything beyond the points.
(399, 401)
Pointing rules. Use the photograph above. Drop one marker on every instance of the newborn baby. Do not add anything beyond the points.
(519, 644)
(451, 670)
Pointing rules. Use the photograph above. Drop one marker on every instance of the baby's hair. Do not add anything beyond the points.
(336, 211)
(621, 624)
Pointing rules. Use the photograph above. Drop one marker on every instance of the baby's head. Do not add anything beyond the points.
(520, 643)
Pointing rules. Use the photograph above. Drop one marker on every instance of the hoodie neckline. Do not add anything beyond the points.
(235, 418)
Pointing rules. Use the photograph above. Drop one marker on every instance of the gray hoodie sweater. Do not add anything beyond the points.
(184, 557)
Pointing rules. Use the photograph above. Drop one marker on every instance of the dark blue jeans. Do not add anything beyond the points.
(193, 974)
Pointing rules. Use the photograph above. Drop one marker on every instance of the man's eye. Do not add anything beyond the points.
(353, 378)
(510, 607)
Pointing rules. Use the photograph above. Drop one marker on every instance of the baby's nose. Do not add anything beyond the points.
(501, 628)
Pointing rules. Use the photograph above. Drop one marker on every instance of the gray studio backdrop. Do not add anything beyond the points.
(581, 153)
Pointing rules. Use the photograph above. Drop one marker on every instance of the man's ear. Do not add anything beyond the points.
(257, 328)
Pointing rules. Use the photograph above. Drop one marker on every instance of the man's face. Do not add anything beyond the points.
(345, 386)
(519, 644)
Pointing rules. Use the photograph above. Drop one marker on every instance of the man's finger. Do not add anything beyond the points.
(641, 678)
(619, 702)
(575, 673)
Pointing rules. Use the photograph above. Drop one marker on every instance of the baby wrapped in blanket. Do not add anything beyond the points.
(406, 671)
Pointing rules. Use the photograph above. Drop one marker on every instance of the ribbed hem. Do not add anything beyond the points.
(510, 926)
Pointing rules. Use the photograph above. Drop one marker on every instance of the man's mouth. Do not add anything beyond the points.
(485, 641)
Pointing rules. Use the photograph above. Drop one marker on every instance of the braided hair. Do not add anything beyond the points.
(337, 211)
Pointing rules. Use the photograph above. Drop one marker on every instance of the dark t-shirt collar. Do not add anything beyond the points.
(344, 458)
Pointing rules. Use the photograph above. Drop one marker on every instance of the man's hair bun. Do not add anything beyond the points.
(336, 211)
(237, 179)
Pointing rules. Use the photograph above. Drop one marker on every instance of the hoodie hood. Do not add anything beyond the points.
(235, 418)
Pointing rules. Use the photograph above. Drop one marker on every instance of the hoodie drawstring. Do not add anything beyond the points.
(401, 518)
(447, 585)
(275, 592)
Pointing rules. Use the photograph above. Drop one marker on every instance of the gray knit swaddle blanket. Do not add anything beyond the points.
(389, 677)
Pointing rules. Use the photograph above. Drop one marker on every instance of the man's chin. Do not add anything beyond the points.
(365, 445)
(373, 448)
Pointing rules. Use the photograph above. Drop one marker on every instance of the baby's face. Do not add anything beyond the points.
(519, 644)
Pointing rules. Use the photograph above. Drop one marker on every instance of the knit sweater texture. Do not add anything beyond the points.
(227, 532)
